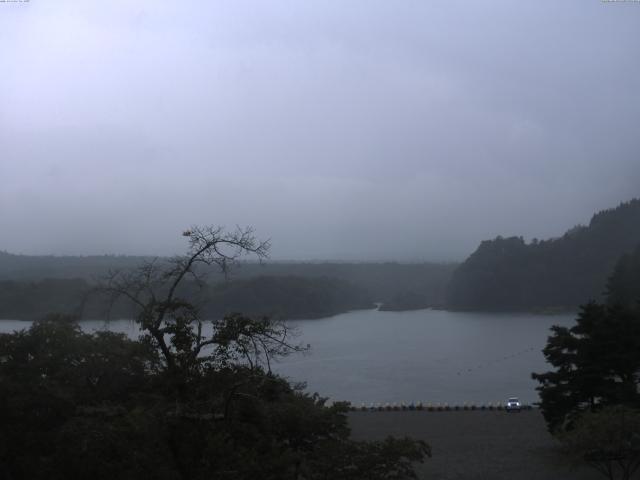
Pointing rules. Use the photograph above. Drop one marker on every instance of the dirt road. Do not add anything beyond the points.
(474, 445)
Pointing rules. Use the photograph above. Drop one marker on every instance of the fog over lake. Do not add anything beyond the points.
(424, 355)
(428, 126)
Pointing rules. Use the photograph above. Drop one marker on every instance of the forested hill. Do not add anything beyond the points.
(508, 274)
(39, 267)
(390, 283)
(278, 297)
(623, 287)
(286, 297)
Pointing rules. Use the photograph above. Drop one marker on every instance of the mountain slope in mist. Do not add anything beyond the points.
(508, 273)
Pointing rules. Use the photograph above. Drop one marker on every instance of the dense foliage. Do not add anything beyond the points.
(100, 406)
(608, 440)
(191, 399)
(286, 297)
(508, 273)
(623, 287)
(597, 363)
(20, 300)
(282, 297)
(390, 283)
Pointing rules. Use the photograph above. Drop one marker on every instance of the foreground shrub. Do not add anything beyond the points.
(608, 440)
(100, 406)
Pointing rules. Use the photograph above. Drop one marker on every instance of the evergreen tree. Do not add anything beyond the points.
(597, 363)
(623, 288)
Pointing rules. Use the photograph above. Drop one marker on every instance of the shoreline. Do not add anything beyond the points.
(378, 308)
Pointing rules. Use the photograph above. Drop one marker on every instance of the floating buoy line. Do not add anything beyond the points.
(433, 407)
(496, 360)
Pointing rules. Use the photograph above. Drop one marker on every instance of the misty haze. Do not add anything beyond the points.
(319, 240)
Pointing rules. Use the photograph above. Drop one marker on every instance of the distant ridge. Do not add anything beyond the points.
(561, 273)
(38, 267)
(32, 286)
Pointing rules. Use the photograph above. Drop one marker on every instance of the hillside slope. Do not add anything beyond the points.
(510, 274)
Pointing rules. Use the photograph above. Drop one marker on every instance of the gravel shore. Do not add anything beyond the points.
(474, 445)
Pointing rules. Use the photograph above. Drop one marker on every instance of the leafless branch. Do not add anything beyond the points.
(154, 289)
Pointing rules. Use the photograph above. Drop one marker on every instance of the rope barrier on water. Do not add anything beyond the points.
(496, 360)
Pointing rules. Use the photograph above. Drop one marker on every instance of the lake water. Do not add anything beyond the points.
(433, 356)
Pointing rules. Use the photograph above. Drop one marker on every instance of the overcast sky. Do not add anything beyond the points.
(407, 130)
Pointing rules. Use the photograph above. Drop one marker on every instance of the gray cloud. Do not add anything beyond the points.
(357, 130)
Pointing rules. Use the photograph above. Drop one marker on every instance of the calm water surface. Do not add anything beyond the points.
(425, 355)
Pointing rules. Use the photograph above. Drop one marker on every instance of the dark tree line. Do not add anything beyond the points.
(597, 363)
(283, 297)
(35, 299)
(424, 284)
(191, 399)
(591, 398)
(597, 360)
(286, 297)
(623, 288)
(510, 274)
